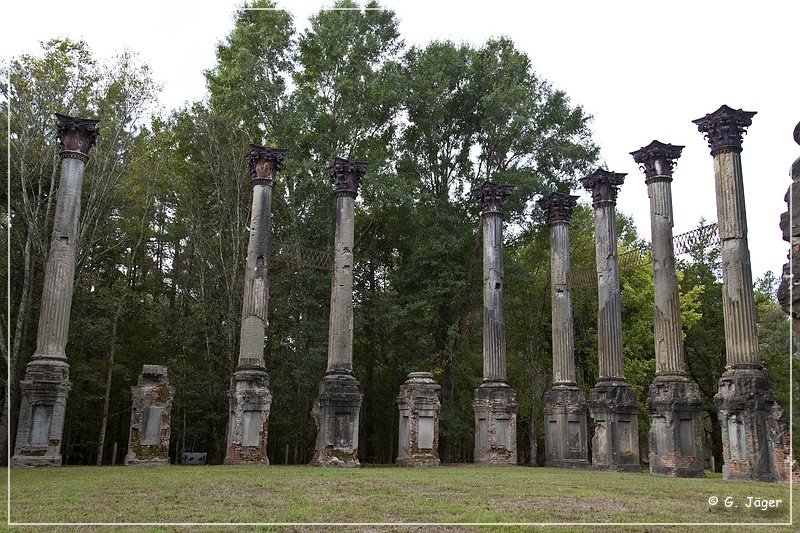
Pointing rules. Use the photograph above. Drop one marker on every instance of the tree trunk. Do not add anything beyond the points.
(4, 429)
(104, 422)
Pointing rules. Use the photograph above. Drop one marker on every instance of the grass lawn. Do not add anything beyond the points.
(457, 493)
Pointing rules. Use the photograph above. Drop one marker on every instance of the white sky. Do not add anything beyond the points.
(644, 70)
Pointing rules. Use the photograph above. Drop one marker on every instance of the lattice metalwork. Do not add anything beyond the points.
(300, 256)
(703, 237)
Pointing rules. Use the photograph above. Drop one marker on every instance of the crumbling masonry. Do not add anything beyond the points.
(674, 401)
(565, 407)
(336, 411)
(612, 402)
(418, 404)
(249, 396)
(495, 402)
(148, 440)
(46, 383)
(751, 420)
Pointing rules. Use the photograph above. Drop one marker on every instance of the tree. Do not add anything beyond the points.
(66, 79)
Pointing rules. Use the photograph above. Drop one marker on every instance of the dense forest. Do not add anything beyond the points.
(163, 233)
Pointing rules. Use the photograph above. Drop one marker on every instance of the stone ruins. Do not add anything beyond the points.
(565, 406)
(789, 289)
(612, 403)
(249, 395)
(148, 443)
(419, 405)
(755, 440)
(748, 413)
(46, 383)
(336, 411)
(674, 401)
(495, 402)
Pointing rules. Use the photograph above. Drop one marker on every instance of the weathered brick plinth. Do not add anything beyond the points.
(615, 414)
(789, 289)
(41, 418)
(250, 400)
(336, 414)
(676, 438)
(495, 407)
(148, 443)
(754, 446)
(565, 433)
(419, 405)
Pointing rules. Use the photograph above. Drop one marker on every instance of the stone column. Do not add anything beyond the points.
(336, 412)
(565, 405)
(148, 441)
(674, 401)
(249, 396)
(419, 404)
(612, 404)
(745, 400)
(789, 294)
(46, 383)
(495, 402)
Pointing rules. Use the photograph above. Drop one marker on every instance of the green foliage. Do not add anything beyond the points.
(166, 208)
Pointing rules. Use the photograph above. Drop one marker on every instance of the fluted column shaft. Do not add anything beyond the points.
(59, 275)
(494, 332)
(738, 305)
(609, 313)
(256, 284)
(561, 299)
(340, 332)
(667, 311)
(46, 385)
(264, 165)
(724, 129)
(76, 137)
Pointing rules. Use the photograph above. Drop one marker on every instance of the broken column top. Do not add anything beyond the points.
(264, 163)
(724, 128)
(76, 134)
(657, 159)
(558, 207)
(153, 374)
(604, 185)
(420, 377)
(346, 176)
(492, 197)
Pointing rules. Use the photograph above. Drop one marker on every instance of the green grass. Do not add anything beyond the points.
(463, 493)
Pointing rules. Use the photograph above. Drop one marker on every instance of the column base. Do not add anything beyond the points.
(336, 414)
(676, 431)
(615, 414)
(148, 439)
(755, 443)
(418, 405)
(43, 403)
(495, 407)
(565, 439)
(248, 419)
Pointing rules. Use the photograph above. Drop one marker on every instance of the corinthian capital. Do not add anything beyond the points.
(558, 207)
(657, 159)
(604, 185)
(264, 164)
(76, 135)
(492, 197)
(346, 176)
(724, 128)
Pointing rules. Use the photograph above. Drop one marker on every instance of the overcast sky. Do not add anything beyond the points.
(644, 70)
